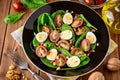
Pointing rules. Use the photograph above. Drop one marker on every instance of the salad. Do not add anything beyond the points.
(64, 40)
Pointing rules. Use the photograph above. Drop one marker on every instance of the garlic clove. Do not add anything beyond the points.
(96, 76)
(113, 64)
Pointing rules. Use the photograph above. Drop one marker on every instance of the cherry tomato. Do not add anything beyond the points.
(41, 51)
(100, 1)
(54, 36)
(61, 60)
(85, 44)
(64, 44)
(18, 6)
(77, 22)
(77, 51)
(89, 2)
(80, 30)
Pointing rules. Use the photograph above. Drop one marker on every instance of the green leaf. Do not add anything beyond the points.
(34, 4)
(93, 46)
(35, 43)
(77, 43)
(48, 62)
(43, 19)
(57, 12)
(49, 45)
(64, 51)
(39, 1)
(88, 24)
(13, 18)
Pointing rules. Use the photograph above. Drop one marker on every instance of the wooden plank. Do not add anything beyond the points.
(10, 43)
(4, 10)
(6, 41)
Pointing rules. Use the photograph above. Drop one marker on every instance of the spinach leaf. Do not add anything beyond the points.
(43, 19)
(77, 43)
(93, 46)
(35, 43)
(64, 51)
(47, 62)
(34, 4)
(13, 18)
(39, 1)
(88, 24)
(49, 45)
(57, 12)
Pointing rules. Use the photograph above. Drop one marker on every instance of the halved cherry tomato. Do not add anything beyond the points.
(54, 36)
(89, 2)
(60, 60)
(85, 44)
(18, 6)
(58, 20)
(80, 30)
(77, 51)
(64, 44)
(47, 28)
(99, 1)
(77, 22)
(41, 51)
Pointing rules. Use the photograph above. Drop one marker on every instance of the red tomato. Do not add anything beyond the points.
(100, 1)
(18, 6)
(54, 36)
(64, 44)
(61, 60)
(41, 51)
(89, 2)
(85, 44)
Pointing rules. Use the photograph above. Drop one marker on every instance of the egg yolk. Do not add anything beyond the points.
(41, 37)
(90, 38)
(68, 18)
(52, 55)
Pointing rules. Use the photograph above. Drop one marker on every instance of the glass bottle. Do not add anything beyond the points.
(111, 15)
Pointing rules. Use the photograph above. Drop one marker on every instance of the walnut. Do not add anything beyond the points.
(113, 64)
(11, 67)
(13, 73)
(96, 76)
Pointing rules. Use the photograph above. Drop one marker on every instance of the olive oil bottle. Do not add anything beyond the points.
(111, 15)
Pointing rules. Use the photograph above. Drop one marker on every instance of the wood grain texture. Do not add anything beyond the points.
(7, 42)
(4, 10)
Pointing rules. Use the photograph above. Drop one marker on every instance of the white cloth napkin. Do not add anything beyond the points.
(17, 35)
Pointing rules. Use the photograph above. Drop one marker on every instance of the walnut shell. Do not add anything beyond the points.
(113, 64)
(96, 76)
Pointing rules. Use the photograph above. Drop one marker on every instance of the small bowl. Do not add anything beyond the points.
(94, 6)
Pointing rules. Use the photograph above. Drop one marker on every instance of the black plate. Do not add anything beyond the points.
(102, 37)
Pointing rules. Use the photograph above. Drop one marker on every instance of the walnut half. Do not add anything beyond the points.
(113, 64)
(96, 76)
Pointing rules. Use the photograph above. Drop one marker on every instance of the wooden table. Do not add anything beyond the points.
(6, 42)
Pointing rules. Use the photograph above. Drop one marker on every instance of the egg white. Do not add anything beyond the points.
(52, 55)
(41, 36)
(66, 35)
(91, 37)
(67, 18)
(73, 61)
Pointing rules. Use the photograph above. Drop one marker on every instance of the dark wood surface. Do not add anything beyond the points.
(7, 42)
